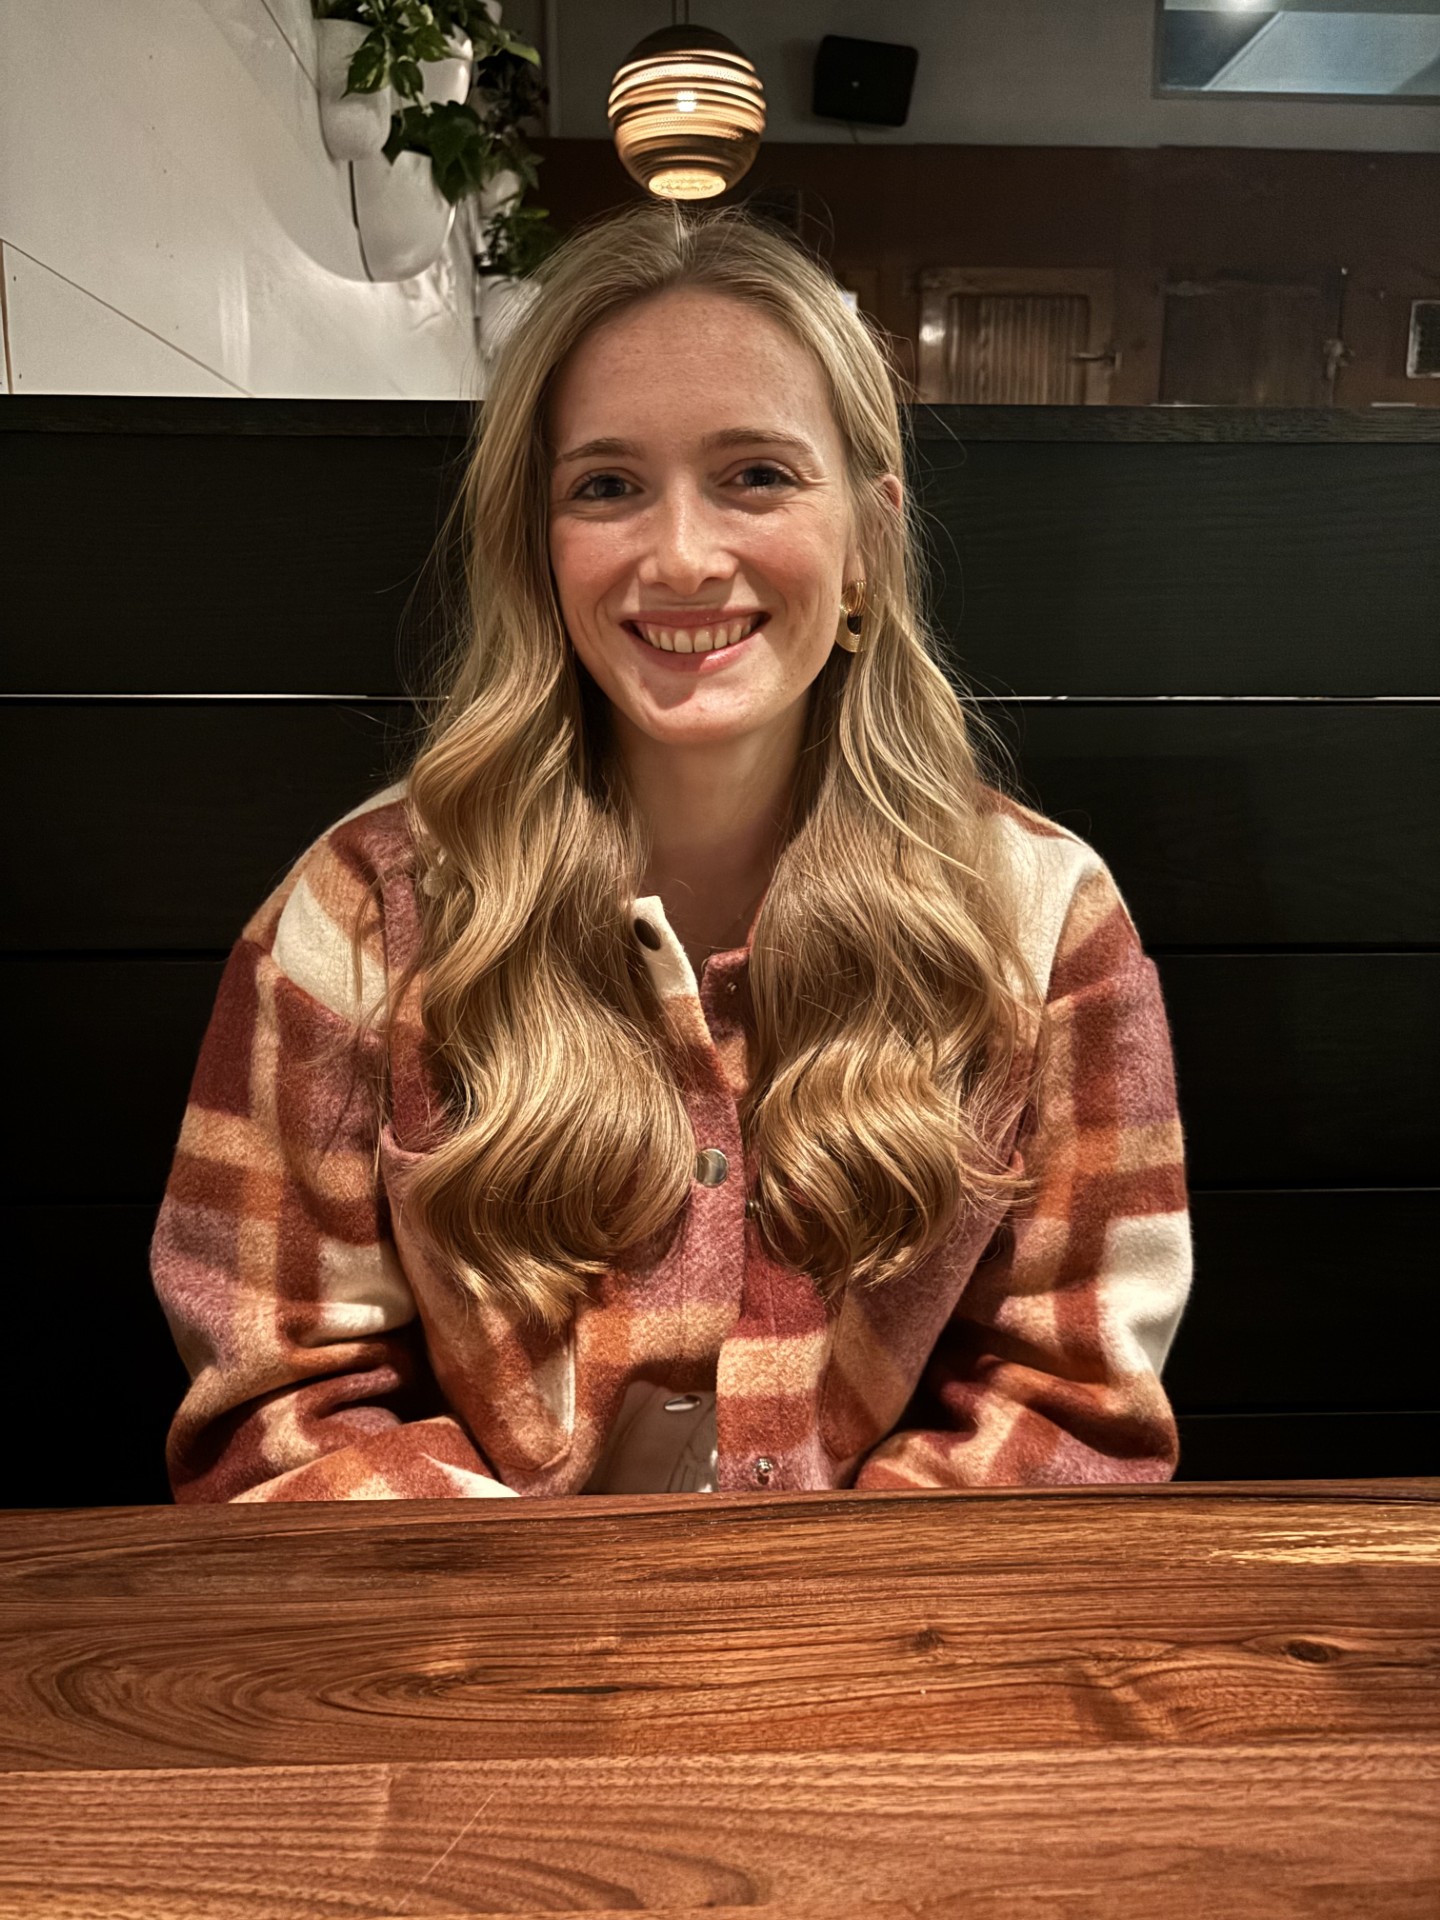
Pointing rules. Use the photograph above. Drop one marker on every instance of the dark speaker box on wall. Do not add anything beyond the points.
(864, 80)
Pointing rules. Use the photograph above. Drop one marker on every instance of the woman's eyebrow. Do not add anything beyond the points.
(611, 449)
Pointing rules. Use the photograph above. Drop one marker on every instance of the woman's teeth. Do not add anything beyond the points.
(697, 639)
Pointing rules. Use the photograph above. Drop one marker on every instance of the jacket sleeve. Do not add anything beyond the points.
(1048, 1371)
(272, 1254)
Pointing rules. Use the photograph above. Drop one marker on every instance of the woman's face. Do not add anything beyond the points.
(720, 496)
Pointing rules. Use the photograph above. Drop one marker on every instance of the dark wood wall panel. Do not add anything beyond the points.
(1308, 1446)
(1224, 825)
(219, 562)
(1234, 825)
(1102, 566)
(1325, 1075)
(127, 1031)
(85, 1419)
(1163, 569)
(1309, 1300)
(177, 818)
(1307, 1069)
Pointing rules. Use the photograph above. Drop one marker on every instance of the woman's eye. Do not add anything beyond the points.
(593, 480)
(773, 475)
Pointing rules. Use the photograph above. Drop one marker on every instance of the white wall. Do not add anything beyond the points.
(1045, 73)
(171, 223)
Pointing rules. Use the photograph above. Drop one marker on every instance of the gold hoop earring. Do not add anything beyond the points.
(852, 605)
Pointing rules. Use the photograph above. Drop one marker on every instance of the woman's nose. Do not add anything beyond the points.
(683, 548)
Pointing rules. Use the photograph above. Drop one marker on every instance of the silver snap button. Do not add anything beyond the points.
(711, 1167)
(683, 1403)
(647, 936)
(764, 1467)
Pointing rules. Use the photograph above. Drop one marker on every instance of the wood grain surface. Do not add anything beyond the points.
(1184, 1699)
(1350, 1824)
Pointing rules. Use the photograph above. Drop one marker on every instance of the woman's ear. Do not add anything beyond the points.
(893, 491)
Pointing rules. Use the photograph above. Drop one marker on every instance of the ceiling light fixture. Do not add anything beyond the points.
(687, 111)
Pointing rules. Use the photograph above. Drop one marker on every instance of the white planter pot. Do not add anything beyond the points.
(501, 302)
(352, 125)
(450, 80)
(403, 217)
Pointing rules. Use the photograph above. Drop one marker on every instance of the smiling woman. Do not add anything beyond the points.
(698, 1071)
(725, 569)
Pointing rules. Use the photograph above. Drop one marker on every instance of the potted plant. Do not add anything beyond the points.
(511, 239)
(424, 62)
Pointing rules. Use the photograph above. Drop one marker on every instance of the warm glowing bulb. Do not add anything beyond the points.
(686, 183)
(687, 110)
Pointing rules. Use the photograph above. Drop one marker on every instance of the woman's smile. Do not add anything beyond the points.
(691, 646)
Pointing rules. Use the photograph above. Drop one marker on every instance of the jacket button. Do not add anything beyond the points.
(711, 1167)
(752, 1207)
(647, 936)
(764, 1467)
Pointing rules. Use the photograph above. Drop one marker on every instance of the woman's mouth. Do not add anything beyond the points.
(694, 646)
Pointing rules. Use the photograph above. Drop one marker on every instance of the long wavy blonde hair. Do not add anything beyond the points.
(895, 1036)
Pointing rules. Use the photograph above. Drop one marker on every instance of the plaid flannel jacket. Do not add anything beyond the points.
(332, 1357)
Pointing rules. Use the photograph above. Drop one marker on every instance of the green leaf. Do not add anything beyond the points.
(449, 139)
(367, 69)
(430, 44)
(407, 132)
(507, 42)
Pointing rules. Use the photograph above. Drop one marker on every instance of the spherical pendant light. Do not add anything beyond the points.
(687, 110)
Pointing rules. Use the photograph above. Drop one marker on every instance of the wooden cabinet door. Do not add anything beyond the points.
(1248, 340)
(1009, 336)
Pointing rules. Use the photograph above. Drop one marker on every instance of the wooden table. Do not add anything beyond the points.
(1173, 1701)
